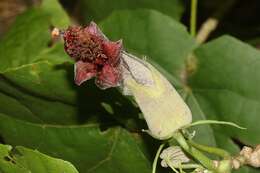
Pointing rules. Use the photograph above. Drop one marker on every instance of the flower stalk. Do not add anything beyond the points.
(156, 158)
(203, 159)
(212, 150)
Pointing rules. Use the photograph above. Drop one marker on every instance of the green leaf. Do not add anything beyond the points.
(30, 32)
(203, 134)
(99, 9)
(26, 43)
(30, 35)
(58, 16)
(226, 86)
(88, 148)
(24, 160)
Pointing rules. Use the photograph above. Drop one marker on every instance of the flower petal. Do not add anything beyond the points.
(112, 50)
(83, 72)
(108, 77)
(94, 30)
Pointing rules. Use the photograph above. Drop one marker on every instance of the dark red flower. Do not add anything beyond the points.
(94, 54)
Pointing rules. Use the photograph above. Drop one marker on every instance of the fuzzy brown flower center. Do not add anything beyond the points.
(81, 45)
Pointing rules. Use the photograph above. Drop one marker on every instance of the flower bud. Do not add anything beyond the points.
(163, 108)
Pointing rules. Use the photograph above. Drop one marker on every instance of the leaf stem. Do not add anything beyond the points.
(203, 159)
(201, 122)
(193, 17)
(156, 158)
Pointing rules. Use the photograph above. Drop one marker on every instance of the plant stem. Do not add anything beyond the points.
(156, 157)
(189, 166)
(193, 17)
(203, 159)
(211, 150)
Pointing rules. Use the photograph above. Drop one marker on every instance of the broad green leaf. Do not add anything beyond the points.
(58, 16)
(30, 35)
(226, 86)
(45, 80)
(23, 104)
(99, 9)
(88, 148)
(23, 45)
(203, 134)
(24, 160)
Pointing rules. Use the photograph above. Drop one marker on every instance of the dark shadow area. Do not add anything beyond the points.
(107, 107)
(238, 143)
(240, 20)
(2, 140)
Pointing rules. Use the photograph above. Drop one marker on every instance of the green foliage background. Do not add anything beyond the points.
(42, 111)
